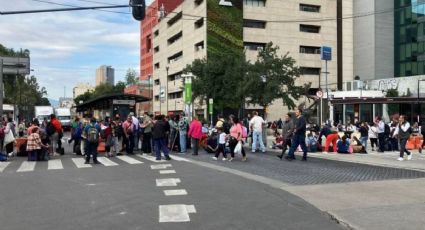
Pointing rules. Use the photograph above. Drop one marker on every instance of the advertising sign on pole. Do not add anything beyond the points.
(188, 91)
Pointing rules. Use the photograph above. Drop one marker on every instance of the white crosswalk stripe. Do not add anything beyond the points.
(167, 171)
(105, 161)
(54, 164)
(27, 166)
(3, 165)
(129, 160)
(150, 158)
(177, 158)
(79, 162)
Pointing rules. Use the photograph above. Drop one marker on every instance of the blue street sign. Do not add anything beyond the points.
(326, 53)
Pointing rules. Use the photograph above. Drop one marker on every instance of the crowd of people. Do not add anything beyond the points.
(161, 134)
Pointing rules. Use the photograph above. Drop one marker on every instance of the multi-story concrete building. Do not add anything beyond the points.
(298, 27)
(81, 88)
(105, 74)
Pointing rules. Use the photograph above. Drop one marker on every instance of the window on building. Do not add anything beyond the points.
(156, 82)
(198, 2)
(309, 49)
(175, 19)
(199, 46)
(255, 3)
(199, 23)
(156, 49)
(309, 28)
(175, 77)
(254, 45)
(175, 95)
(156, 33)
(175, 38)
(148, 43)
(309, 71)
(157, 98)
(310, 8)
(175, 57)
(254, 23)
(156, 66)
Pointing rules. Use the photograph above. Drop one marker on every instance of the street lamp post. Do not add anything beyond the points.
(167, 68)
(150, 94)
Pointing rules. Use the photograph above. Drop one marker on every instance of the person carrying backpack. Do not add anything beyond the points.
(92, 133)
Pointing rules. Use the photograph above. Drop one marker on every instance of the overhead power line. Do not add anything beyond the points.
(93, 8)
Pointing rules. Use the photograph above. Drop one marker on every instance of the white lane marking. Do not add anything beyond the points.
(54, 164)
(27, 166)
(105, 161)
(79, 162)
(175, 192)
(167, 171)
(3, 165)
(175, 213)
(161, 166)
(150, 158)
(177, 158)
(167, 182)
(129, 160)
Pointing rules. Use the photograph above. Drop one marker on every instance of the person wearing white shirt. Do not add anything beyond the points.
(135, 130)
(256, 127)
(381, 133)
(402, 131)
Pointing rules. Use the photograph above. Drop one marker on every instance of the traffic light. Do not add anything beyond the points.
(138, 9)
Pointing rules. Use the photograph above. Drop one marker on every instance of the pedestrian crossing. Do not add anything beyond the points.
(74, 162)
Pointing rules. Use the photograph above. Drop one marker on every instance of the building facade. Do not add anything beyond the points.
(105, 74)
(81, 88)
(299, 28)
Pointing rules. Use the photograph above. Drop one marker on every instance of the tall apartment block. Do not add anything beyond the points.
(105, 74)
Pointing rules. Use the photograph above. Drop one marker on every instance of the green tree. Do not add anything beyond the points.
(273, 77)
(220, 78)
(131, 77)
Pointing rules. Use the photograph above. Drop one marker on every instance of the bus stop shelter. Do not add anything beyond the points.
(110, 105)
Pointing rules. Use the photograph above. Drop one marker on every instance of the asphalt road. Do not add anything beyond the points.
(127, 195)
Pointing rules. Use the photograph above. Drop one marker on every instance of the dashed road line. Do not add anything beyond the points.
(27, 166)
(167, 182)
(79, 162)
(54, 164)
(161, 166)
(167, 171)
(175, 213)
(175, 192)
(129, 160)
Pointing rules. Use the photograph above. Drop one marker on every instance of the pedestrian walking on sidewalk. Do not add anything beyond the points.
(236, 138)
(381, 133)
(287, 132)
(159, 135)
(403, 131)
(298, 137)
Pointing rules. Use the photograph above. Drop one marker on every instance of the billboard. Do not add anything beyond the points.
(224, 27)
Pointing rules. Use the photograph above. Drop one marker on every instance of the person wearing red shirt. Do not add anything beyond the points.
(57, 135)
(195, 133)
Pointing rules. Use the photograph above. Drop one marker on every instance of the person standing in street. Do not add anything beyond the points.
(136, 134)
(159, 135)
(287, 130)
(256, 127)
(147, 133)
(55, 134)
(182, 130)
(128, 134)
(236, 137)
(299, 137)
(403, 131)
(381, 133)
(195, 133)
(92, 132)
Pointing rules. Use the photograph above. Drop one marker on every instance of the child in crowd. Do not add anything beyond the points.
(221, 144)
(311, 142)
(343, 145)
(278, 142)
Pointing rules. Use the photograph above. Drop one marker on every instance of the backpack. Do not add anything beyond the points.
(50, 129)
(77, 132)
(387, 130)
(93, 135)
(183, 125)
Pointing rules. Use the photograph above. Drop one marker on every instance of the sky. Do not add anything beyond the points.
(67, 47)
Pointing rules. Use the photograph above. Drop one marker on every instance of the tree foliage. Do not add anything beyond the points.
(6, 52)
(231, 80)
(131, 77)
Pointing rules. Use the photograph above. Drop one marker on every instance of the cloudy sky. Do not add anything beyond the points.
(67, 47)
